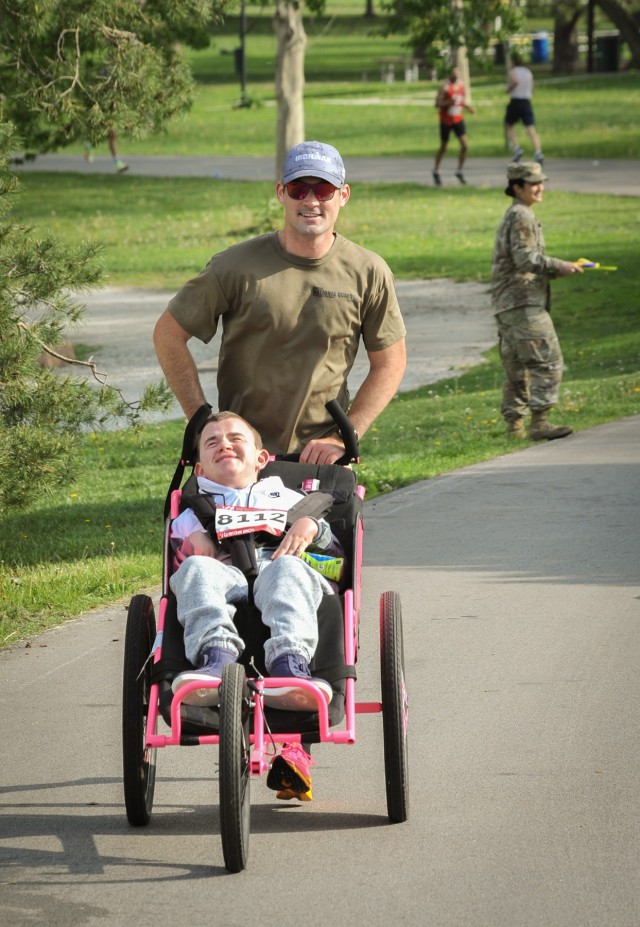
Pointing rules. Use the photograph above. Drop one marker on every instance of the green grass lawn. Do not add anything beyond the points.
(157, 233)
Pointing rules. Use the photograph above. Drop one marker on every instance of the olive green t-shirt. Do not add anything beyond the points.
(290, 330)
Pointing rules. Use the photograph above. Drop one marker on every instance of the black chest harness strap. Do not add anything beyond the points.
(242, 549)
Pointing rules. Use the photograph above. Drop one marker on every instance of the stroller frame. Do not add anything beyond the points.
(243, 731)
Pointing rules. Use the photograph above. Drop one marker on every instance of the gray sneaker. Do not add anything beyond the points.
(517, 153)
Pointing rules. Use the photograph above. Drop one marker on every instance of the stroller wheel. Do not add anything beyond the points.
(139, 764)
(394, 708)
(235, 777)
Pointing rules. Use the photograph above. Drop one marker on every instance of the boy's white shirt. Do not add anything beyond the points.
(269, 493)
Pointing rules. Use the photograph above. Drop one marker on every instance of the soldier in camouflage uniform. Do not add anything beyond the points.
(529, 346)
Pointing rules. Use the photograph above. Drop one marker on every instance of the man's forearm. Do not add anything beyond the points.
(379, 386)
(178, 365)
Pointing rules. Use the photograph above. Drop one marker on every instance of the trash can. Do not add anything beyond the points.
(608, 52)
(540, 48)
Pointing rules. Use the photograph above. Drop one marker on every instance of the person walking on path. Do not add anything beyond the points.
(451, 101)
(112, 138)
(293, 306)
(520, 109)
(520, 295)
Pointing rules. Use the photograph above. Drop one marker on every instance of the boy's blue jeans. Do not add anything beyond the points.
(287, 591)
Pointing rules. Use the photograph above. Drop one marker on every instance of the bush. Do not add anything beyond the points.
(42, 413)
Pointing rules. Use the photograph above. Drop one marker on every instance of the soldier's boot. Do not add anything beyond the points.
(541, 430)
(515, 428)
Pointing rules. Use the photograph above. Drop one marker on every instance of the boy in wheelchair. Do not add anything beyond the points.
(286, 589)
(207, 585)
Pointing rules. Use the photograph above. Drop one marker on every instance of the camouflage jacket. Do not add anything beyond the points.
(521, 270)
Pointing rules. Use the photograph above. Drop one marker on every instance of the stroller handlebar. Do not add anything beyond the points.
(347, 432)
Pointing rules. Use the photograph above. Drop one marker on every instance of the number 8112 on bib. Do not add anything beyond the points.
(232, 520)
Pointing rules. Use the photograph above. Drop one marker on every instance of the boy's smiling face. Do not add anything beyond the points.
(228, 454)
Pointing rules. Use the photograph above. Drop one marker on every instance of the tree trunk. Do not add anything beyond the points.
(462, 64)
(565, 40)
(291, 43)
(628, 27)
(369, 12)
(460, 59)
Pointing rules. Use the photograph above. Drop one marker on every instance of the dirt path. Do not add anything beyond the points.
(449, 326)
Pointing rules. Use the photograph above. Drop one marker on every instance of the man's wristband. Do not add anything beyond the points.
(339, 436)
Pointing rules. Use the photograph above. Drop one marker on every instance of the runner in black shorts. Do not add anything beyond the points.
(520, 108)
(458, 128)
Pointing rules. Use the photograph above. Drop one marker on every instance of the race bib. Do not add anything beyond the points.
(232, 520)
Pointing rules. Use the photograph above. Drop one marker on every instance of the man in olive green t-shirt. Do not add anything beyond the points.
(293, 306)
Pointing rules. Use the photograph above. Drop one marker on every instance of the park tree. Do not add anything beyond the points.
(291, 41)
(625, 16)
(71, 70)
(74, 70)
(44, 414)
(437, 32)
(566, 15)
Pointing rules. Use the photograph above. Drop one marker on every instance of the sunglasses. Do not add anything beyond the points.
(299, 190)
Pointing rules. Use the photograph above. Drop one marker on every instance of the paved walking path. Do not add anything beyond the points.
(519, 590)
(580, 175)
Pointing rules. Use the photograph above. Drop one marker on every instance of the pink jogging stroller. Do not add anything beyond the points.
(244, 729)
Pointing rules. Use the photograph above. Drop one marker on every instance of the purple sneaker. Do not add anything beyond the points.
(212, 662)
(292, 697)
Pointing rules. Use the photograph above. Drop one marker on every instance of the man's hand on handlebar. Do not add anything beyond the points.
(323, 450)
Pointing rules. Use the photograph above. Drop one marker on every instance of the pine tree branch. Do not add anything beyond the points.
(98, 375)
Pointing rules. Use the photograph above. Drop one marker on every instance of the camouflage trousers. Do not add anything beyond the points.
(532, 361)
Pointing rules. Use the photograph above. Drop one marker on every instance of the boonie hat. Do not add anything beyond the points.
(314, 159)
(528, 171)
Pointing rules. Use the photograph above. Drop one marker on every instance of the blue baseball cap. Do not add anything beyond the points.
(314, 159)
